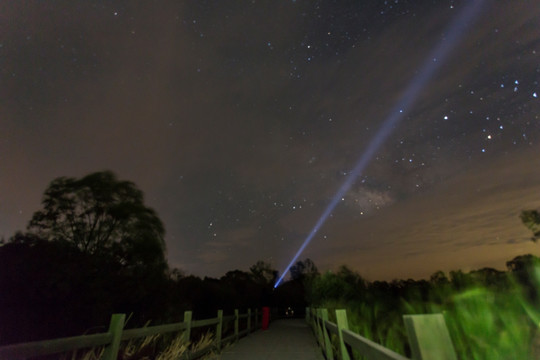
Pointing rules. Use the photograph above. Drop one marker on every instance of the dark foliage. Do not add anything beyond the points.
(101, 215)
(57, 290)
(51, 289)
(531, 219)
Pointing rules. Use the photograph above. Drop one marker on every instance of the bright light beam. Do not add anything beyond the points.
(453, 33)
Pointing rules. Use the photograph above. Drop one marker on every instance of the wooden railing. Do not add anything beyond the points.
(428, 338)
(116, 333)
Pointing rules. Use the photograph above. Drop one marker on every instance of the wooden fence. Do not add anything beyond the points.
(116, 333)
(428, 338)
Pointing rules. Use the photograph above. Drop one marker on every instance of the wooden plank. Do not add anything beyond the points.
(319, 329)
(188, 315)
(48, 347)
(219, 329)
(115, 329)
(429, 338)
(370, 349)
(256, 318)
(249, 321)
(313, 319)
(342, 324)
(236, 323)
(205, 322)
(331, 327)
(329, 353)
(152, 330)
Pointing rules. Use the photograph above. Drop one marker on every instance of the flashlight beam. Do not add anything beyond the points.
(453, 34)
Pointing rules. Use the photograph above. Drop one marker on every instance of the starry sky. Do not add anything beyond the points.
(239, 120)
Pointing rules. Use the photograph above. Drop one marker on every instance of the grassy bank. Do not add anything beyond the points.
(490, 314)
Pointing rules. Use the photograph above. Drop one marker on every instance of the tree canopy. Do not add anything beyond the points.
(263, 273)
(531, 219)
(100, 214)
(303, 269)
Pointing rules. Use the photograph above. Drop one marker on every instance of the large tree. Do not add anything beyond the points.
(101, 215)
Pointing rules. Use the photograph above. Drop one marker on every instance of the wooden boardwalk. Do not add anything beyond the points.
(283, 340)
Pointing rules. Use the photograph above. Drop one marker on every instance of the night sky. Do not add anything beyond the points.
(239, 120)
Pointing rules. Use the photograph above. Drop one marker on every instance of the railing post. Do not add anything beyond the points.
(187, 321)
(429, 337)
(219, 329)
(318, 328)
(115, 328)
(326, 338)
(342, 324)
(256, 318)
(312, 318)
(307, 315)
(249, 322)
(236, 320)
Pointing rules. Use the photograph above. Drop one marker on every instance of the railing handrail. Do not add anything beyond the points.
(422, 330)
(107, 339)
(369, 348)
(152, 330)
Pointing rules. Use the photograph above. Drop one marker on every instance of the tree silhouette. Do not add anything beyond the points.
(531, 219)
(102, 215)
(439, 278)
(303, 269)
(263, 273)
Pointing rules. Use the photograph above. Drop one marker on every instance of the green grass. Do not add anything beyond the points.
(492, 321)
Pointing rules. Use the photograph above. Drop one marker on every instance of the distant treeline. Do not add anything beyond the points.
(51, 290)
(347, 285)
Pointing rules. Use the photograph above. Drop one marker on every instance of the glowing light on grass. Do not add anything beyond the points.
(434, 61)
